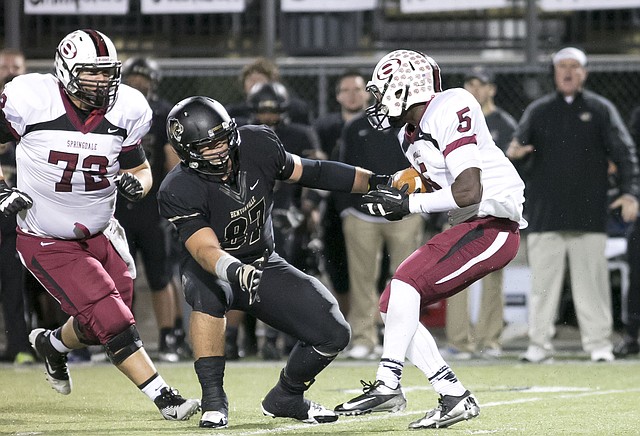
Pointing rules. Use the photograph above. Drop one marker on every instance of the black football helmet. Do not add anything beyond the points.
(268, 97)
(144, 67)
(196, 122)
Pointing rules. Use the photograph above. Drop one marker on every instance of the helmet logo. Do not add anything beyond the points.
(390, 67)
(68, 49)
(176, 129)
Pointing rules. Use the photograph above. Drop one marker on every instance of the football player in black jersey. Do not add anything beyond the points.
(220, 199)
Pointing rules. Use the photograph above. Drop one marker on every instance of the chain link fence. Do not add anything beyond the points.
(314, 80)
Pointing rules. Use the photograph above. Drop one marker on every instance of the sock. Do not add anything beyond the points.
(445, 382)
(178, 324)
(401, 321)
(210, 372)
(152, 387)
(231, 334)
(55, 338)
(390, 372)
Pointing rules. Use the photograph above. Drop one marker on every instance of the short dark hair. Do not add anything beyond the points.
(262, 66)
(352, 72)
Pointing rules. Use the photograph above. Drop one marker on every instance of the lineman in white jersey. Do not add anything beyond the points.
(78, 134)
(445, 138)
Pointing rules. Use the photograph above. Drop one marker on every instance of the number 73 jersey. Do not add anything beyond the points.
(453, 136)
(68, 165)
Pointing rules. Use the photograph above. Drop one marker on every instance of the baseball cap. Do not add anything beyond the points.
(570, 53)
(480, 73)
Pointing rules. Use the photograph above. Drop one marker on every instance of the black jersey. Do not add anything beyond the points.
(239, 213)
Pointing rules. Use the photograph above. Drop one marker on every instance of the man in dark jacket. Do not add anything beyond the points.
(567, 138)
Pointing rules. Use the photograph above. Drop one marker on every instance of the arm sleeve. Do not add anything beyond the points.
(328, 175)
(132, 156)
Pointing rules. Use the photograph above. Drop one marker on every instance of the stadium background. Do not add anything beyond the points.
(204, 53)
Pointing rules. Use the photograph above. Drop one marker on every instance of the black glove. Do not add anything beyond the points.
(130, 187)
(378, 179)
(12, 201)
(387, 201)
(249, 276)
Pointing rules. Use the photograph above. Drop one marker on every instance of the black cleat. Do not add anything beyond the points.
(55, 362)
(175, 408)
(627, 347)
(214, 419)
(215, 408)
(279, 404)
(377, 397)
(449, 411)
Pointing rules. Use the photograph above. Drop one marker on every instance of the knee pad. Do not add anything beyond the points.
(123, 345)
(84, 335)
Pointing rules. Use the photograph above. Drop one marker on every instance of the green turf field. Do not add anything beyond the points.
(570, 397)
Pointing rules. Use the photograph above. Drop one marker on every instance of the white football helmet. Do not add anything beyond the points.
(400, 80)
(88, 50)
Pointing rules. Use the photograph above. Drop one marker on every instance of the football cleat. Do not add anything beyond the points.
(173, 407)
(214, 419)
(278, 404)
(450, 410)
(377, 397)
(55, 362)
(627, 347)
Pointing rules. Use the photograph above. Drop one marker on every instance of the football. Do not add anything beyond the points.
(411, 177)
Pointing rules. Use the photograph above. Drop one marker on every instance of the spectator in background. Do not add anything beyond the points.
(352, 97)
(12, 64)
(366, 236)
(12, 290)
(262, 70)
(629, 346)
(152, 236)
(564, 142)
(484, 338)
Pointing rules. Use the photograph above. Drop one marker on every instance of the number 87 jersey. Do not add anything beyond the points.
(66, 160)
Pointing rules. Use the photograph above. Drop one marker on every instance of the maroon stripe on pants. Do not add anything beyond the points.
(461, 253)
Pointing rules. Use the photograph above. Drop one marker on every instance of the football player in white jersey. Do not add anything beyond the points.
(445, 138)
(78, 138)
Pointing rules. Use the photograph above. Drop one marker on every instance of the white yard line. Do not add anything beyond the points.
(377, 417)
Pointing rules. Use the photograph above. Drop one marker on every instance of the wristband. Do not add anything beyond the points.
(226, 266)
(438, 201)
(378, 179)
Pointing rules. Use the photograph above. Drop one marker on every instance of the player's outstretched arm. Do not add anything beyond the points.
(334, 176)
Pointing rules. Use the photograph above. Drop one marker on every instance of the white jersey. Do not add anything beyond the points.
(453, 136)
(66, 165)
